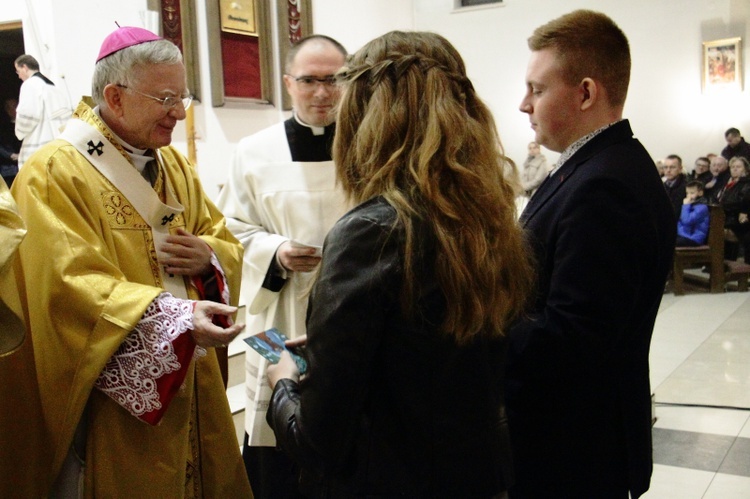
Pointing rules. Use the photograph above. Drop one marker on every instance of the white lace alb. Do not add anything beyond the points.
(147, 354)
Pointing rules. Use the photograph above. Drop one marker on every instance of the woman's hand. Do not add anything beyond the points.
(296, 342)
(286, 368)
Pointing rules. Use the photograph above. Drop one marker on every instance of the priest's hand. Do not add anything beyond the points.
(286, 368)
(188, 254)
(297, 259)
(207, 334)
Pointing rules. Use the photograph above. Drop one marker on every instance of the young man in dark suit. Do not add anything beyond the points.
(603, 232)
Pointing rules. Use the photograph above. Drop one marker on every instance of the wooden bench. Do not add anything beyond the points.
(737, 271)
(710, 254)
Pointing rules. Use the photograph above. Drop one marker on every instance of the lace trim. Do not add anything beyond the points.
(225, 285)
(147, 354)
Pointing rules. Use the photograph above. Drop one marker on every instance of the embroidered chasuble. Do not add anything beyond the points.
(98, 300)
(281, 186)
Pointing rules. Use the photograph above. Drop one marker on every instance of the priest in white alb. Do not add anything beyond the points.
(280, 200)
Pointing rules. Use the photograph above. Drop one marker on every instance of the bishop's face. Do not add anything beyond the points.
(143, 121)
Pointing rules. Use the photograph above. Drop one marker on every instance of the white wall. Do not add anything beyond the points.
(71, 32)
(356, 22)
(665, 105)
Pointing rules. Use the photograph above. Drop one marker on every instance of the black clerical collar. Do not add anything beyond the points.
(44, 78)
(305, 145)
(315, 130)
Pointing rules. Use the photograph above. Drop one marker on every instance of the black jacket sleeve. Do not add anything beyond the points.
(317, 422)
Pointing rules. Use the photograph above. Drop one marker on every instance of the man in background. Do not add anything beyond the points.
(603, 232)
(701, 171)
(736, 145)
(280, 201)
(42, 108)
(674, 182)
(720, 175)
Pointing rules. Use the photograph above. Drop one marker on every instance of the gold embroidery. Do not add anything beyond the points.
(193, 484)
(153, 258)
(120, 213)
(116, 212)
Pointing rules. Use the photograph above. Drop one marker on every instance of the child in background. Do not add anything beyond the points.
(692, 226)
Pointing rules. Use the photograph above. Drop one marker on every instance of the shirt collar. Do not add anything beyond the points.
(577, 145)
(316, 130)
(139, 157)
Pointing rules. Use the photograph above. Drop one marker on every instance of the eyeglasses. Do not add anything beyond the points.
(168, 102)
(311, 82)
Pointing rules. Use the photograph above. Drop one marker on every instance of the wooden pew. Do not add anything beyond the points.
(710, 254)
(737, 271)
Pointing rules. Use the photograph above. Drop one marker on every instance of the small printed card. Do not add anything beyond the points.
(270, 344)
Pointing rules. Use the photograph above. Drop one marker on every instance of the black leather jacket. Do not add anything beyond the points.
(736, 200)
(390, 407)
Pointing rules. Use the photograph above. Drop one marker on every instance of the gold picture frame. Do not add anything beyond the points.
(177, 24)
(238, 16)
(722, 65)
(294, 20)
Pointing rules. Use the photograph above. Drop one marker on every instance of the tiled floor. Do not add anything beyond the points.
(700, 374)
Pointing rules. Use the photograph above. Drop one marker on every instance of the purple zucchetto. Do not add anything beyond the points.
(125, 37)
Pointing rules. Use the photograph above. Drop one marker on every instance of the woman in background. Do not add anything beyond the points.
(534, 170)
(406, 328)
(735, 199)
(533, 174)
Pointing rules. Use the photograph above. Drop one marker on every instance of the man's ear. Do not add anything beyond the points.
(288, 82)
(589, 93)
(113, 97)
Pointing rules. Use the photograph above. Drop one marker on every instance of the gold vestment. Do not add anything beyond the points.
(90, 271)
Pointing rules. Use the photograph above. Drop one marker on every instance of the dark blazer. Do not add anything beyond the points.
(712, 193)
(735, 200)
(676, 193)
(742, 149)
(578, 396)
(391, 407)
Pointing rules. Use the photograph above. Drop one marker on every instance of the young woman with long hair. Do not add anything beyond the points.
(418, 283)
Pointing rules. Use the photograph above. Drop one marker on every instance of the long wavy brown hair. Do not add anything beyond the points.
(411, 128)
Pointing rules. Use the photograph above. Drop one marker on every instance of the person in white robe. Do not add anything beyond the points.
(43, 108)
(280, 200)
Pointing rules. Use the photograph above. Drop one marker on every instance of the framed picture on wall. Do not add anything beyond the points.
(471, 3)
(722, 64)
(242, 67)
(238, 16)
